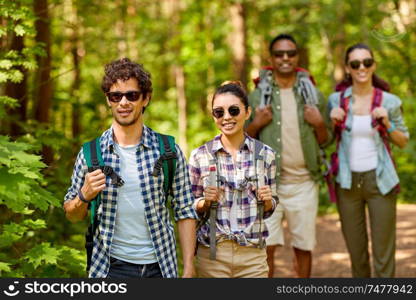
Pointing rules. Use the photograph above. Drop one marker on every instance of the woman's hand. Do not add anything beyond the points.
(337, 115)
(380, 113)
(265, 194)
(211, 194)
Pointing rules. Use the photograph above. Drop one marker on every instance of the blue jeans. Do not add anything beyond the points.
(122, 269)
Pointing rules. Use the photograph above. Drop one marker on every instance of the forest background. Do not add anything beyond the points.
(52, 54)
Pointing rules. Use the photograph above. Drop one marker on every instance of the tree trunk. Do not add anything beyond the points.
(17, 91)
(182, 118)
(76, 111)
(178, 72)
(43, 84)
(339, 44)
(238, 41)
(132, 32)
(120, 28)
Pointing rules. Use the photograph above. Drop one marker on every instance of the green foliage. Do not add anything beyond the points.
(21, 187)
(25, 197)
(21, 179)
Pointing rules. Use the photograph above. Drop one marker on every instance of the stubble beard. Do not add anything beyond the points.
(126, 123)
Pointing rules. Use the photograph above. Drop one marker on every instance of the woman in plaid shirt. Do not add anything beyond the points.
(233, 181)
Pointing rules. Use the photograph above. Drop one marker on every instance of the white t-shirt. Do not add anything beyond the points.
(363, 152)
(131, 241)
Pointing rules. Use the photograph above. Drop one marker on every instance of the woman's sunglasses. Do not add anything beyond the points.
(117, 96)
(233, 110)
(367, 63)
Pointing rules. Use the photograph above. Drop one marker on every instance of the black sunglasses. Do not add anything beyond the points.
(233, 110)
(117, 96)
(281, 53)
(367, 63)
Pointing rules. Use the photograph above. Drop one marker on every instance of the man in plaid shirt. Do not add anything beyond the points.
(135, 237)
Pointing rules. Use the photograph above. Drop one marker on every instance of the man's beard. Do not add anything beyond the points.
(126, 123)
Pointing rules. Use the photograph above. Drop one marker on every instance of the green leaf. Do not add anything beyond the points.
(4, 267)
(11, 233)
(28, 159)
(24, 171)
(6, 64)
(20, 30)
(42, 253)
(11, 102)
(3, 76)
(34, 224)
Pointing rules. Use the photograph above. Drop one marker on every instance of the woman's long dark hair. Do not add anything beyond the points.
(347, 81)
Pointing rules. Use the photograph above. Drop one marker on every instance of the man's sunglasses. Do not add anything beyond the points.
(233, 110)
(281, 53)
(117, 96)
(367, 63)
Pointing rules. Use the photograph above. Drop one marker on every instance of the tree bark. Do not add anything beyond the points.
(17, 91)
(76, 108)
(178, 72)
(121, 28)
(339, 44)
(182, 117)
(43, 84)
(238, 41)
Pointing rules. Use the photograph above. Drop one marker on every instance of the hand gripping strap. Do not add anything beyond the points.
(259, 167)
(92, 154)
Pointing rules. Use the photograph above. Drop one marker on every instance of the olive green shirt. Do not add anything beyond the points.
(271, 134)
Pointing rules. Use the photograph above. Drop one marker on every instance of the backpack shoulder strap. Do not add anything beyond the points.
(258, 146)
(92, 154)
(259, 169)
(94, 160)
(211, 155)
(343, 104)
(377, 101)
(211, 215)
(265, 87)
(166, 161)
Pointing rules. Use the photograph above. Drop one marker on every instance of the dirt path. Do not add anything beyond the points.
(330, 258)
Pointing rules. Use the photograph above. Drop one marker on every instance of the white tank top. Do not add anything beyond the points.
(363, 151)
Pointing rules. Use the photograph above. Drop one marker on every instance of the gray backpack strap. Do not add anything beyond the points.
(265, 88)
(213, 180)
(259, 169)
(307, 90)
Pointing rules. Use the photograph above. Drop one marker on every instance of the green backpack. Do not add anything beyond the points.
(92, 154)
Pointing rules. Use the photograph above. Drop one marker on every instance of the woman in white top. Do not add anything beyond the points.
(367, 119)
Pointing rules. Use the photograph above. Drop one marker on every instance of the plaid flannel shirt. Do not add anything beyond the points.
(156, 210)
(237, 181)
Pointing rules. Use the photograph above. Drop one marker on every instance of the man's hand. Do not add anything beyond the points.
(93, 184)
(313, 116)
(263, 116)
(337, 115)
(188, 271)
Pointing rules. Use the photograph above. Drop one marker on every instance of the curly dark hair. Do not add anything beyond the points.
(124, 69)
